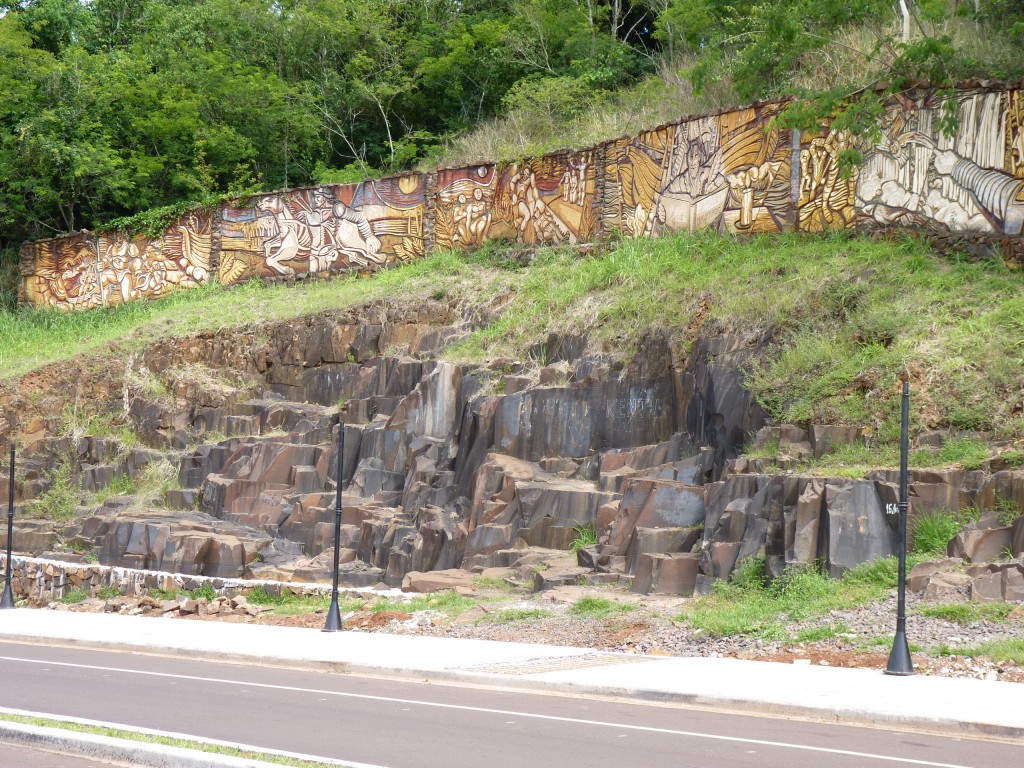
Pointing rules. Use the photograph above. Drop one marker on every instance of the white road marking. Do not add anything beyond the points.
(490, 711)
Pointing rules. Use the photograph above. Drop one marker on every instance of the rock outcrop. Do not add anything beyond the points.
(449, 466)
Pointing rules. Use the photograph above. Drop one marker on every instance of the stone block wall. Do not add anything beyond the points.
(734, 171)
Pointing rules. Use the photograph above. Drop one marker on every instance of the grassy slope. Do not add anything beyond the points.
(850, 317)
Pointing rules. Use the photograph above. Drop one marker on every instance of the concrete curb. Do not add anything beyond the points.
(129, 752)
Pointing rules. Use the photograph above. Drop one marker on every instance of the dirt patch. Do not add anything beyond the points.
(377, 620)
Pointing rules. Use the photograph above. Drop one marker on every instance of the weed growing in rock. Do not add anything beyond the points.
(60, 501)
(512, 615)
(288, 604)
(1007, 510)
(818, 634)
(750, 604)
(599, 607)
(1007, 649)
(496, 585)
(121, 485)
(108, 593)
(967, 613)
(163, 594)
(450, 603)
(933, 531)
(586, 536)
(75, 596)
(205, 591)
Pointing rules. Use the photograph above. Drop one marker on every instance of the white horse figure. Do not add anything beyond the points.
(292, 239)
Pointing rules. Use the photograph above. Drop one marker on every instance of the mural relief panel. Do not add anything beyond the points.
(345, 226)
(546, 200)
(757, 160)
(692, 184)
(826, 195)
(634, 168)
(730, 172)
(917, 176)
(110, 268)
(465, 201)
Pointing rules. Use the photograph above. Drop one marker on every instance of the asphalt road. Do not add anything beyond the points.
(401, 724)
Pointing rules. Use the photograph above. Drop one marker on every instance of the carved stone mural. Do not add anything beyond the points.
(88, 270)
(360, 226)
(917, 176)
(735, 171)
(544, 200)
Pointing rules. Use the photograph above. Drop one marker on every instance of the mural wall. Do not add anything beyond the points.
(730, 172)
(94, 270)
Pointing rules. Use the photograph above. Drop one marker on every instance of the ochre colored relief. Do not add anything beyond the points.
(111, 268)
(634, 168)
(313, 230)
(546, 199)
(756, 160)
(917, 176)
(693, 187)
(731, 172)
(542, 200)
(1014, 162)
(826, 193)
(463, 215)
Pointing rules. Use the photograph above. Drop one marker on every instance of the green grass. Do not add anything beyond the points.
(121, 485)
(205, 591)
(108, 593)
(586, 536)
(967, 613)
(1009, 649)
(747, 605)
(849, 317)
(933, 531)
(450, 603)
(117, 733)
(75, 596)
(288, 604)
(31, 338)
(512, 615)
(60, 501)
(165, 594)
(818, 634)
(494, 585)
(599, 607)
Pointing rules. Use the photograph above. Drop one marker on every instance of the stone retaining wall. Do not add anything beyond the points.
(42, 580)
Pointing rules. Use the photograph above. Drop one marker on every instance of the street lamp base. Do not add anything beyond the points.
(7, 601)
(899, 658)
(333, 623)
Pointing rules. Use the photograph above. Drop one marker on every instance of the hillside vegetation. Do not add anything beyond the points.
(118, 113)
(848, 317)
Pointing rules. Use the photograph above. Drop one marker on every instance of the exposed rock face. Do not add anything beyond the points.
(439, 473)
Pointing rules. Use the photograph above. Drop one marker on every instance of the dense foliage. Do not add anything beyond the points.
(112, 107)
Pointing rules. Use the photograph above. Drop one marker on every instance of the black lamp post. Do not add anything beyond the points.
(7, 601)
(899, 657)
(333, 614)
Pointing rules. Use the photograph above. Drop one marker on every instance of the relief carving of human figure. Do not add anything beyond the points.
(285, 236)
(321, 252)
(353, 236)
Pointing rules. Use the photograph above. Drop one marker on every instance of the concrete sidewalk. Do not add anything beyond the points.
(942, 705)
